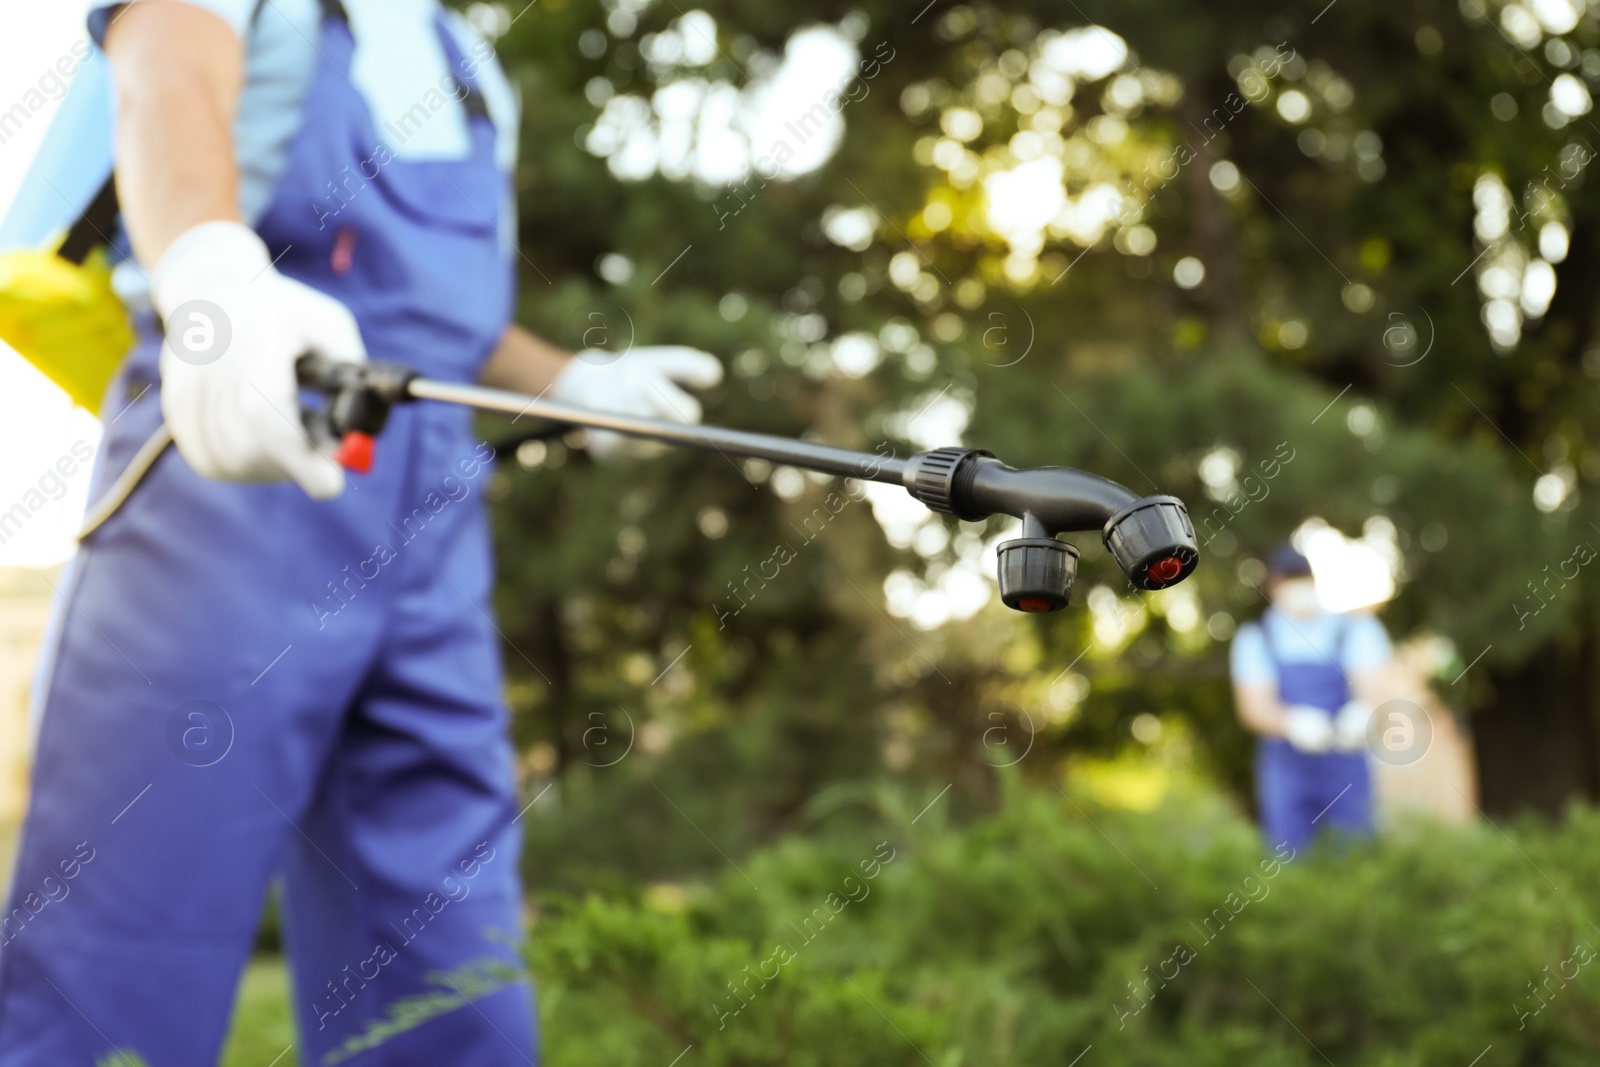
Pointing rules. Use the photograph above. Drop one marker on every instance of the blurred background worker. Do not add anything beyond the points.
(1306, 680)
(293, 177)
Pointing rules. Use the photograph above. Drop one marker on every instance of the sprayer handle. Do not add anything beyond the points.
(358, 397)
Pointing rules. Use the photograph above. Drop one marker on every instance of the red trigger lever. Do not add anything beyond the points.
(355, 452)
(357, 399)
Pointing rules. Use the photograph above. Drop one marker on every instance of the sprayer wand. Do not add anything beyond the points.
(1151, 538)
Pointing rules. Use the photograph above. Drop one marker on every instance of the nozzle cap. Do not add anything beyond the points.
(1036, 573)
(1153, 542)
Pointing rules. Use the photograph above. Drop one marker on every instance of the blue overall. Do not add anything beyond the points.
(1299, 793)
(249, 685)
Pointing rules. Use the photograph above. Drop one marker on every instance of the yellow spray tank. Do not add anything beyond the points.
(64, 318)
(57, 306)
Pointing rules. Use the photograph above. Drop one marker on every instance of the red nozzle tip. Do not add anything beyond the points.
(1035, 604)
(1165, 570)
(355, 452)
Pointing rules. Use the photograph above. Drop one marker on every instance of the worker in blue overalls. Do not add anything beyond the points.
(258, 671)
(1306, 680)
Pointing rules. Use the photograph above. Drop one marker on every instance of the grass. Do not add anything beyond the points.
(263, 1025)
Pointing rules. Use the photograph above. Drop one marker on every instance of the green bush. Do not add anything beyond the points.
(1167, 938)
(1171, 938)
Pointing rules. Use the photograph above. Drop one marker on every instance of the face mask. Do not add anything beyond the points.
(1296, 597)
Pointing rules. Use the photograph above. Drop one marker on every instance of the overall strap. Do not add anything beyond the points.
(470, 95)
(330, 9)
(472, 99)
(1340, 641)
(467, 92)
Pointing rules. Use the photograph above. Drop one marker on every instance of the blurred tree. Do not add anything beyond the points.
(1281, 263)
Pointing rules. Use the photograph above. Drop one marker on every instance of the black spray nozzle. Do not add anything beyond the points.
(1036, 573)
(1151, 538)
(1153, 542)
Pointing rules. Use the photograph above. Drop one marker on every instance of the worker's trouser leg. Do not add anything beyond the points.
(215, 715)
(418, 795)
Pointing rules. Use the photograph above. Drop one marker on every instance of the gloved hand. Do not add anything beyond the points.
(1350, 725)
(1307, 728)
(235, 327)
(642, 381)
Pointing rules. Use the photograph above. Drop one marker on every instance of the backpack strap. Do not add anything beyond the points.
(93, 227)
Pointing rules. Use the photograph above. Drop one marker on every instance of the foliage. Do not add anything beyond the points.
(1056, 924)
(465, 985)
(1335, 176)
(263, 1023)
(1021, 939)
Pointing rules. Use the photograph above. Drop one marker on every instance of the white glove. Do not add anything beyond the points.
(235, 327)
(1307, 728)
(1350, 725)
(643, 382)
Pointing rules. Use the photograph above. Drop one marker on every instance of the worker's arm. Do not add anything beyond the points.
(523, 363)
(178, 70)
(1259, 709)
(1262, 711)
(234, 325)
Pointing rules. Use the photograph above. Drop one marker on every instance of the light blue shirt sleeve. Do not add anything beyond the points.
(236, 13)
(1248, 659)
(1366, 644)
